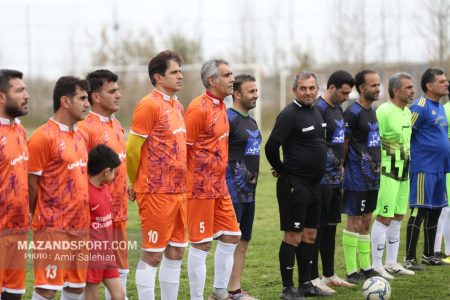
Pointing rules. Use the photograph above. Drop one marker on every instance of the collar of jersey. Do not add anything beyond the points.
(166, 97)
(213, 98)
(103, 118)
(4, 121)
(298, 103)
(63, 127)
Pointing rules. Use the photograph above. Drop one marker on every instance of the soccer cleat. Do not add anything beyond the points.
(412, 264)
(446, 259)
(440, 255)
(290, 293)
(366, 274)
(321, 285)
(355, 278)
(433, 261)
(336, 281)
(383, 273)
(242, 295)
(397, 268)
(219, 294)
(307, 289)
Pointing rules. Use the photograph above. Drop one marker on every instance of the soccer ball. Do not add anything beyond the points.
(376, 288)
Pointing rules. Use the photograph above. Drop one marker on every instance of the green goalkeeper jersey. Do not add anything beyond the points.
(447, 113)
(395, 133)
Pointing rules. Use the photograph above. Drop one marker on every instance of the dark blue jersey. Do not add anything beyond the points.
(362, 168)
(334, 117)
(429, 141)
(244, 143)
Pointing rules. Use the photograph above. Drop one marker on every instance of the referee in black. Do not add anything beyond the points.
(300, 131)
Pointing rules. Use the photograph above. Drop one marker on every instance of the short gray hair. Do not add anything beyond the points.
(210, 69)
(395, 82)
(303, 75)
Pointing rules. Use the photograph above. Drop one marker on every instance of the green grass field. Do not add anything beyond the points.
(261, 275)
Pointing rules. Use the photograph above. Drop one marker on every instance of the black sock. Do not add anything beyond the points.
(287, 262)
(304, 262)
(315, 257)
(413, 232)
(327, 246)
(429, 231)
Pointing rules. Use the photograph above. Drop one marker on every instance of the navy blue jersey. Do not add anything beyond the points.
(362, 169)
(244, 143)
(334, 117)
(429, 141)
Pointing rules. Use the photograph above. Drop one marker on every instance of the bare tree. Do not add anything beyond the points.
(437, 32)
(190, 50)
(342, 30)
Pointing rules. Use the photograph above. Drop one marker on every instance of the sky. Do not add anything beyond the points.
(50, 37)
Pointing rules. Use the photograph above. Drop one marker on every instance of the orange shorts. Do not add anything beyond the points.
(120, 252)
(13, 262)
(60, 259)
(163, 221)
(210, 218)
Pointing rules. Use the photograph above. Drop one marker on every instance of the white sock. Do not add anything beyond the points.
(223, 264)
(123, 274)
(36, 296)
(196, 266)
(393, 241)
(377, 243)
(440, 230)
(446, 230)
(145, 281)
(71, 296)
(169, 278)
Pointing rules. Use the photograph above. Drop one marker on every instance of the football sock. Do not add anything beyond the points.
(392, 241)
(315, 258)
(304, 255)
(350, 245)
(364, 251)
(441, 229)
(429, 230)
(447, 232)
(327, 249)
(65, 295)
(378, 241)
(145, 281)
(413, 232)
(287, 262)
(169, 278)
(223, 264)
(196, 266)
(37, 296)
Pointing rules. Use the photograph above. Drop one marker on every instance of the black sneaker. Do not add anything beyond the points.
(433, 261)
(290, 293)
(366, 274)
(412, 264)
(355, 278)
(439, 255)
(307, 289)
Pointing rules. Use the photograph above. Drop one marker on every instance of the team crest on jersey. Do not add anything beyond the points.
(4, 141)
(373, 139)
(253, 144)
(62, 145)
(338, 135)
(106, 138)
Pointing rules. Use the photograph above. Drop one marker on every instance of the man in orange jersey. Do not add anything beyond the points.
(58, 194)
(156, 166)
(14, 213)
(210, 210)
(101, 127)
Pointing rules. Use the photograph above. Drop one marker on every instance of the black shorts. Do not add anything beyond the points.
(245, 214)
(331, 204)
(298, 202)
(360, 203)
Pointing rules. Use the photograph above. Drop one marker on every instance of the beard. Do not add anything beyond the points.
(14, 111)
(371, 97)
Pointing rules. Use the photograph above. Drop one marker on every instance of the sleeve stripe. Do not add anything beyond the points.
(141, 135)
(38, 173)
(414, 118)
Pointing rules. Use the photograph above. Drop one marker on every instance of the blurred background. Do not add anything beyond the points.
(272, 40)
